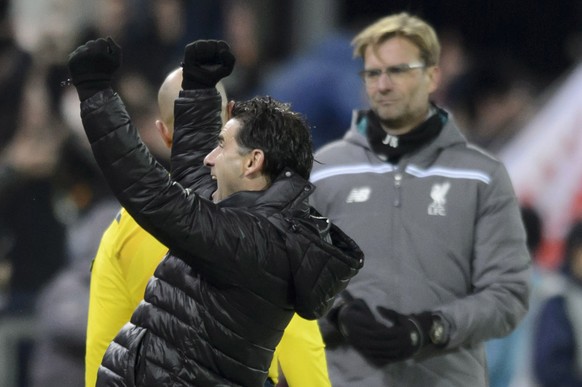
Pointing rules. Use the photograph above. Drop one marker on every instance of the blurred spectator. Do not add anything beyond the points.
(257, 34)
(121, 20)
(153, 32)
(558, 328)
(49, 29)
(544, 284)
(14, 64)
(508, 357)
(455, 61)
(115, 18)
(323, 84)
(58, 357)
(241, 31)
(161, 45)
(491, 100)
(34, 213)
(31, 235)
(205, 20)
(321, 81)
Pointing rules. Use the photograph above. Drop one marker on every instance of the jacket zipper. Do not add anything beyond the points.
(397, 187)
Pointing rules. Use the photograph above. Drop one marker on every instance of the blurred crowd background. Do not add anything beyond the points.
(511, 79)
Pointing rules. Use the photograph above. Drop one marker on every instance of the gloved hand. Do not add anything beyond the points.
(398, 338)
(411, 332)
(92, 66)
(205, 63)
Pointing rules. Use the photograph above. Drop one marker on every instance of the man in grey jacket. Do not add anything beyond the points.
(447, 264)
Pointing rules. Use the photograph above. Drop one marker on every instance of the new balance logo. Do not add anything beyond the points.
(438, 195)
(359, 195)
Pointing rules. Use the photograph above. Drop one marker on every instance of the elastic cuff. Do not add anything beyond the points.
(189, 84)
(88, 89)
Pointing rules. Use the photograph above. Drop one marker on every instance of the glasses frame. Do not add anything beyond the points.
(371, 76)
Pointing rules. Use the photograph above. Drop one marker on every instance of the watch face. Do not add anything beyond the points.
(437, 332)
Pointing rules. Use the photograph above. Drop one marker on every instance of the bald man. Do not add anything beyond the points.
(127, 258)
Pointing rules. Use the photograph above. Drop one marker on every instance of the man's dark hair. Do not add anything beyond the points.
(282, 134)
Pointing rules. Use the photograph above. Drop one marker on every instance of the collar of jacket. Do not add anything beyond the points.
(289, 190)
(449, 136)
(406, 143)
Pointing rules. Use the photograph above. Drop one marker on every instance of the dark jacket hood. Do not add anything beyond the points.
(320, 254)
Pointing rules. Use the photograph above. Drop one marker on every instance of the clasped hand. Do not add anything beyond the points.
(397, 338)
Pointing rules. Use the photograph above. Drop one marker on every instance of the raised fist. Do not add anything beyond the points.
(93, 64)
(205, 63)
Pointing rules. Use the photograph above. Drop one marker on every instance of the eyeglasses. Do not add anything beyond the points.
(395, 73)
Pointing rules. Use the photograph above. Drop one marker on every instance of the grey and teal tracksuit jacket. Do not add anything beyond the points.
(441, 231)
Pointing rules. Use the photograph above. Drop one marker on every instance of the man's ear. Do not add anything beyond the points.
(254, 162)
(434, 74)
(165, 132)
(229, 108)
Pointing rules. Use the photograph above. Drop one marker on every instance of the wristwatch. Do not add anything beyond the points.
(437, 332)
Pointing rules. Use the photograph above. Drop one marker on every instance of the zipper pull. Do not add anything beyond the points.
(397, 184)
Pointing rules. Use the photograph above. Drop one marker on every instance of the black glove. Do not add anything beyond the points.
(410, 332)
(399, 338)
(205, 63)
(92, 66)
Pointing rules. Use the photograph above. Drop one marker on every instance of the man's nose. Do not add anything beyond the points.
(384, 81)
(209, 159)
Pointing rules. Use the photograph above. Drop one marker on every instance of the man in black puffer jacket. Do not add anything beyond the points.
(246, 250)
